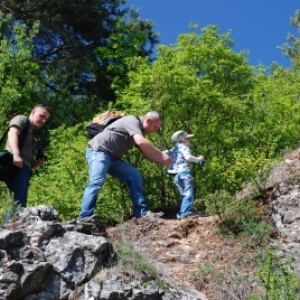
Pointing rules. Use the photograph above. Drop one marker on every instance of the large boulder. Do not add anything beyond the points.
(42, 258)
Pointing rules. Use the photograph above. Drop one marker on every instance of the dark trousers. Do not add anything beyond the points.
(19, 186)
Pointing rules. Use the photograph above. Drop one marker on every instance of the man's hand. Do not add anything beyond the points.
(17, 161)
(39, 163)
(13, 140)
(166, 160)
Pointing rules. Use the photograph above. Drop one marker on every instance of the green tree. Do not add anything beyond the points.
(21, 86)
(291, 48)
(236, 112)
(273, 108)
(200, 85)
(242, 117)
(82, 48)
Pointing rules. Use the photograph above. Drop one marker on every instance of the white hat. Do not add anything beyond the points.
(180, 135)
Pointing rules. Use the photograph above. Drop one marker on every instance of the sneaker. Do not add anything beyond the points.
(193, 215)
(153, 214)
(184, 216)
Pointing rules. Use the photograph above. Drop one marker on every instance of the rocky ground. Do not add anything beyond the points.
(193, 252)
(192, 258)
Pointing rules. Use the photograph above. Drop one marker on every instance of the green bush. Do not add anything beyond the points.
(278, 279)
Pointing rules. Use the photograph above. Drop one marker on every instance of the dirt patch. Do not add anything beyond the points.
(190, 250)
(193, 252)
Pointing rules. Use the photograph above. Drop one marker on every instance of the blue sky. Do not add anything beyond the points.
(258, 26)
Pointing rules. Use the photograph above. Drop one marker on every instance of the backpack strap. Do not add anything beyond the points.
(4, 135)
(22, 135)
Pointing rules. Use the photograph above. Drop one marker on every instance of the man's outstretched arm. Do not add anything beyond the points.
(150, 152)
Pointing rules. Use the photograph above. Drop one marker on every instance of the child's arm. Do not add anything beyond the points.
(201, 158)
(186, 152)
(194, 159)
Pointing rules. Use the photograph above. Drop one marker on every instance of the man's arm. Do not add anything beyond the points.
(150, 152)
(13, 140)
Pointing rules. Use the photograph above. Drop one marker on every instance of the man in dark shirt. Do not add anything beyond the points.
(23, 157)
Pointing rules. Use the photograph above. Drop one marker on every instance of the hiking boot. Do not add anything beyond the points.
(91, 225)
(89, 219)
(152, 214)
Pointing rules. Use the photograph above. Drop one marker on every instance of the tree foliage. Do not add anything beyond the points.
(242, 117)
(291, 48)
(20, 84)
(81, 48)
(200, 85)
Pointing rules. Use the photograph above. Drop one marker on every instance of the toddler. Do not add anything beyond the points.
(181, 158)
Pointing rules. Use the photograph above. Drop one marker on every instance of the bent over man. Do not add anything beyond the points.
(104, 156)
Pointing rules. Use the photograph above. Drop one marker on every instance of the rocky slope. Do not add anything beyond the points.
(42, 258)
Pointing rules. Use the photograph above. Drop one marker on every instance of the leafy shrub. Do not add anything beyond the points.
(278, 279)
(257, 231)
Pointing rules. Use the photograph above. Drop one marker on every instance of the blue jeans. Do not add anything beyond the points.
(101, 164)
(19, 185)
(184, 183)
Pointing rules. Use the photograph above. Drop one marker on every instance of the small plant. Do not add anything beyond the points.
(235, 215)
(258, 179)
(127, 255)
(216, 203)
(278, 279)
(11, 208)
(206, 273)
(258, 232)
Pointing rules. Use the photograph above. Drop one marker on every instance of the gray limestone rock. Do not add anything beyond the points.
(44, 259)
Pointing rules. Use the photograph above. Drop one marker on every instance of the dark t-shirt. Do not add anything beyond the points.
(27, 148)
(117, 138)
